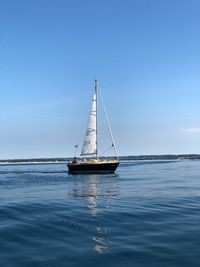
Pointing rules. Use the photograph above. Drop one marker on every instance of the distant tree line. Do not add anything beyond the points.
(140, 157)
(162, 157)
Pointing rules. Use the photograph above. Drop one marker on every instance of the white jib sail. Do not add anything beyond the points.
(90, 141)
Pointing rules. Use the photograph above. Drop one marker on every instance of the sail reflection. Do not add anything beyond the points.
(98, 192)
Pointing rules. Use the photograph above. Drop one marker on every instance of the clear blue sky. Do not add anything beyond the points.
(145, 54)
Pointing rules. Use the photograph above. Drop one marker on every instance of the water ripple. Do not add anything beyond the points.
(146, 215)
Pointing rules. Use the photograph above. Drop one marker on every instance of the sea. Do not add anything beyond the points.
(147, 214)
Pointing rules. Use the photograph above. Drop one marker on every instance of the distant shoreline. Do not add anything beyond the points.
(65, 160)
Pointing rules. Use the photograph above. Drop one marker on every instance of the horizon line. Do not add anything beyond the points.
(121, 156)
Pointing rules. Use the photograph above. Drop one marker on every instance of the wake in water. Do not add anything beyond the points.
(24, 172)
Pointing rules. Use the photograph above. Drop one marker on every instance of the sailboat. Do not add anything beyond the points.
(90, 161)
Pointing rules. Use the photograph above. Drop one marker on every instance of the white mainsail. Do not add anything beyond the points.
(90, 141)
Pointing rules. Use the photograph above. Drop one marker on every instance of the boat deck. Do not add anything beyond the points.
(93, 161)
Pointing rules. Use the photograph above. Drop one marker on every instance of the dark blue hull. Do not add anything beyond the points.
(107, 167)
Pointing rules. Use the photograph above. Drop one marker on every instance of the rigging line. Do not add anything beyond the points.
(96, 113)
(108, 123)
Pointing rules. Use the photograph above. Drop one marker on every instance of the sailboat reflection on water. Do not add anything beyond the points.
(97, 192)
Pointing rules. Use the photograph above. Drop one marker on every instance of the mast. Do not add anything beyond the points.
(96, 91)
